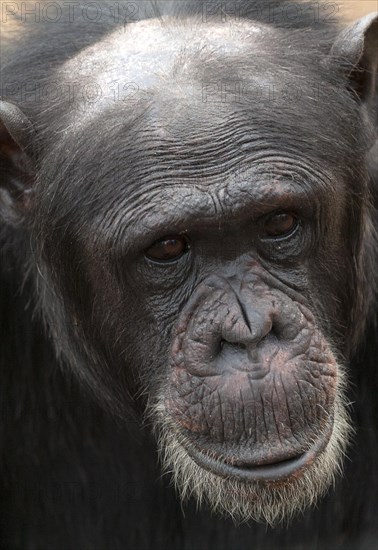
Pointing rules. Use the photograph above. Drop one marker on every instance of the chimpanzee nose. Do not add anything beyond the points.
(222, 329)
(241, 339)
(246, 327)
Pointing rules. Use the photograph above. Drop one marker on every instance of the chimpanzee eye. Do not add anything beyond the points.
(280, 224)
(168, 249)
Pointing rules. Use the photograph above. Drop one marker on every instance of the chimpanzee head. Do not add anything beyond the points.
(200, 243)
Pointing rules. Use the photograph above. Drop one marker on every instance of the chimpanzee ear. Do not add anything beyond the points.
(17, 172)
(355, 53)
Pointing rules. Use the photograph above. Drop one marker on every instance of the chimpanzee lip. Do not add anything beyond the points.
(277, 471)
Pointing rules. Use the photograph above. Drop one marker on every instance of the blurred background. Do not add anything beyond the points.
(351, 9)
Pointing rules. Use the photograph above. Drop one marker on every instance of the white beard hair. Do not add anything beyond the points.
(269, 502)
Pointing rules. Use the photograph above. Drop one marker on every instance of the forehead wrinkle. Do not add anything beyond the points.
(155, 211)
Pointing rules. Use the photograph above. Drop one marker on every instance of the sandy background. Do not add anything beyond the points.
(352, 9)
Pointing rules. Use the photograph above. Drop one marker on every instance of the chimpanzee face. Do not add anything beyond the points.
(194, 240)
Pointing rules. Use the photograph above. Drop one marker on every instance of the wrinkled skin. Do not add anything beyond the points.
(251, 377)
(245, 333)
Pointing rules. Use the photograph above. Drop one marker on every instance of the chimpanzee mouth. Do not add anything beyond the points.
(272, 471)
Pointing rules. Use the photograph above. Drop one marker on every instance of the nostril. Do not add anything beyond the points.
(274, 332)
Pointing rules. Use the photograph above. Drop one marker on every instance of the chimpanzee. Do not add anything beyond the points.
(189, 257)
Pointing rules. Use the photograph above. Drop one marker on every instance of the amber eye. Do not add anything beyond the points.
(279, 225)
(169, 249)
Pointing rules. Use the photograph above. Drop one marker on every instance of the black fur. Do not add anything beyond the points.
(75, 477)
